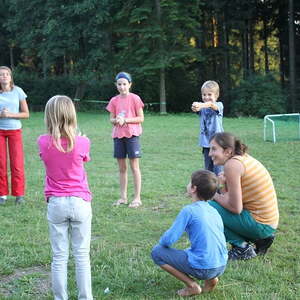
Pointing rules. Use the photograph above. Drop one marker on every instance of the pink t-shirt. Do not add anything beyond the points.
(129, 106)
(65, 174)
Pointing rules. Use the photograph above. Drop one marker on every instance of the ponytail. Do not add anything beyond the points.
(239, 147)
(228, 140)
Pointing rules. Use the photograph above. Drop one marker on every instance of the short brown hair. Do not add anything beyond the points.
(212, 86)
(206, 183)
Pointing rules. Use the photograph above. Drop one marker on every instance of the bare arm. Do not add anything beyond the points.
(112, 118)
(197, 106)
(232, 199)
(22, 114)
(138, 119)
(121, 120)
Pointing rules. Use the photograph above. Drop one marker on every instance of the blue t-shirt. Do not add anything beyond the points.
(210, 123)
(11, 101)
(205, 230)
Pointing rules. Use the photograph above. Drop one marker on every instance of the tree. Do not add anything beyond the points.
(154, 37)
(292, 64)
(162, 75)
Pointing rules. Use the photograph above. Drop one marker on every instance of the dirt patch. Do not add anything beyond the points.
(39, 286)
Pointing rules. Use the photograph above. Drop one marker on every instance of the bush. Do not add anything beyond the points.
(39, 90)
(258, 96)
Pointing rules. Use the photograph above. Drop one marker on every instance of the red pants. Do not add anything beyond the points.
(12, 139)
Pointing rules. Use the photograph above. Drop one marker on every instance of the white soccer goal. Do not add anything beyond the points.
(282, 127)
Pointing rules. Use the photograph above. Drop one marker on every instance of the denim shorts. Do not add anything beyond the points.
(178, 259)
(127, 147)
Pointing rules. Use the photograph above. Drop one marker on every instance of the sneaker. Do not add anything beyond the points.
(20, 199)
(262, 245)
(238, 253)
(2, 199)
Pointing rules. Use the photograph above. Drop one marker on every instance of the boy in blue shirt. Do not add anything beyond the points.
(206, 258)
(211, 115)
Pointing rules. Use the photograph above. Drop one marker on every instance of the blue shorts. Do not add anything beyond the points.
(127, 147)
(178, 259)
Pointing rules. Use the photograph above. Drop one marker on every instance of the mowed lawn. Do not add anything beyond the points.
(122, 238)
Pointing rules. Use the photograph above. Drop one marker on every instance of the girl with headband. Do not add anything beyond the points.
(126, 116)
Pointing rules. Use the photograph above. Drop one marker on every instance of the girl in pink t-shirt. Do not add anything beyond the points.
(126, 114)
(69, 212)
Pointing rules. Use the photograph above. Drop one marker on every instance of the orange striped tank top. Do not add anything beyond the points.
(258, 192)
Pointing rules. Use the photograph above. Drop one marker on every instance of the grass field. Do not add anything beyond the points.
(122, 238)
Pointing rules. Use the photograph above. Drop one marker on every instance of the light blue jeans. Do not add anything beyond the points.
(69, 219)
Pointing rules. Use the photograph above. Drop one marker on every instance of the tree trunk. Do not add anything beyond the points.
(251, 47)
(292, 65)
(162, 93)
(11, 57)
(44, 62)
(201, 46)
(245, 53)
(213, 45)
(283, 12)
(224, 42)
(162, 88)
(80, 90)
(265, 32)
(65, 65)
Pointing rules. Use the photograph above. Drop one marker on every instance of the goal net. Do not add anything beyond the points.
(282, 127)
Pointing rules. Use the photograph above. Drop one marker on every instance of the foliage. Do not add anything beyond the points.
(122, 238)
(92, 40)
(258, 96)
(39, 90)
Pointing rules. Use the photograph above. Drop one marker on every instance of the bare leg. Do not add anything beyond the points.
(137, 179)
(123, 181)
(192, 287)
(210, 284)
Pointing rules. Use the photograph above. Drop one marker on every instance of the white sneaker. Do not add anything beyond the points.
(3, 199)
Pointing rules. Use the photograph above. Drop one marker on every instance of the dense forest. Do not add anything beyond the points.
(250, 47)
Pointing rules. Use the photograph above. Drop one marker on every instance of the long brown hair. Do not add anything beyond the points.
(228, 140)
(11, 76)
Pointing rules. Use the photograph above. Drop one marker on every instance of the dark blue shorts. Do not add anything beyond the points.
(127, 147)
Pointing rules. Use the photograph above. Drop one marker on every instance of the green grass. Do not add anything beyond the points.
(122, 238)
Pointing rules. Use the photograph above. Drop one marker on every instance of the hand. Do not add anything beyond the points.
(196, 106)
(120, 120)
(79, 133)
(221, 178)
(222, 183)
(4, 113)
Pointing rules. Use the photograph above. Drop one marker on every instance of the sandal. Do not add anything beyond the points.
(135, 204)
(119, 202)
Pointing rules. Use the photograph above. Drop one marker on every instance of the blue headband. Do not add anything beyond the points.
(123, 75)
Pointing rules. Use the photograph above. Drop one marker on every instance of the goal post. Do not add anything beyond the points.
(282, 127)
